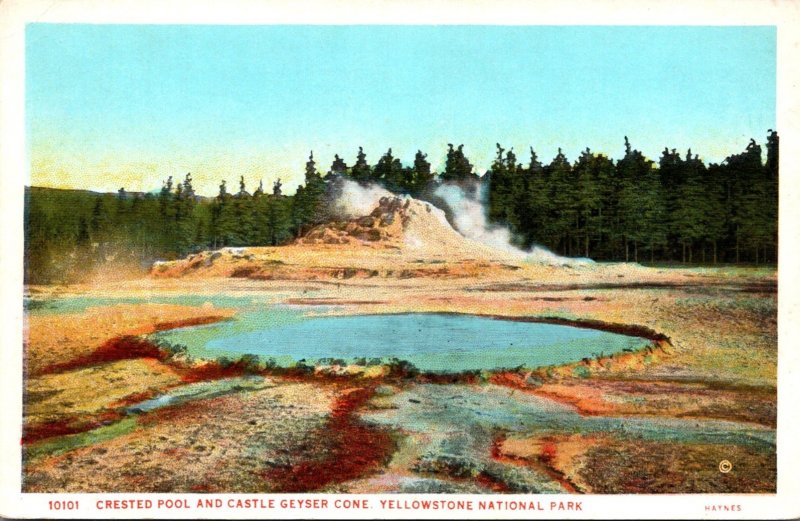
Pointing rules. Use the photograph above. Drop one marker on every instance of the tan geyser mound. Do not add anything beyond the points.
(402, 223)
(401, 237)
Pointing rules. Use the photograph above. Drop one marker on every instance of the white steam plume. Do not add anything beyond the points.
(469, 218)
(352, 200)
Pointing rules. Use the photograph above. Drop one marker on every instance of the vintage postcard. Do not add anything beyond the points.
(399, 260)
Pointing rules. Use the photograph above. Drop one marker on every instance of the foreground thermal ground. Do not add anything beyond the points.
(105, 410)
(659, 420)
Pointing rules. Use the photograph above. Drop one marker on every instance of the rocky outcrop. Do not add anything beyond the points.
(384, 226)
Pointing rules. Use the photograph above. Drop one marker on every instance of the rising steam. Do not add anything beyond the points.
(465, 209)
(469, 218)
(350, 200)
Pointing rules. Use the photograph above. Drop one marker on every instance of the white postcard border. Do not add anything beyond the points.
(14, 174)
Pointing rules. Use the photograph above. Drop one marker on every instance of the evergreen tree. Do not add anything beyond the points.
(361, 171)
(311, 174)
(752, 214)
(585, 174)
(260, 190)
(772, 153)
(188, 189)
(120, 208)
(689, 207)
(672, 175)
(504, 189)
(243, 231)
(308, 204)
(277, 222)
(222, 220)
(562, 208)
(422, 176)
(457, 168)
(714, 219)
(533, 203)
(315, 192)
(389, 171)
(165, 198)
(299, 211)
(185, 229)
(640, 210)
(338, 167)
(772, 194)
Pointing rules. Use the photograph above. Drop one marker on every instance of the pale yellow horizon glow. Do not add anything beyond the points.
(141, 172)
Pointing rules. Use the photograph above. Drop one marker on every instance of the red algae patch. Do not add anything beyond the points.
(539, 454)
(134, 398)
(55, 339)
(65, 426)
(594, 397)
(487, 481)
(85, 398)
(219, 444)
(211, 371)
(120, 348)
(187, 322)
(129, 347)
(609, 396)
(346, 448)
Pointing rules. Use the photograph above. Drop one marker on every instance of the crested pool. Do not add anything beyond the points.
(433, 342)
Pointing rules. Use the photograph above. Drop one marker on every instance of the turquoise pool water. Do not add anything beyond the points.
(431, 341)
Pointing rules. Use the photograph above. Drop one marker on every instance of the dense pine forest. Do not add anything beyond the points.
(676, 209)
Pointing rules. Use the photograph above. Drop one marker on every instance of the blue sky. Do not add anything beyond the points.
(123, 105)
